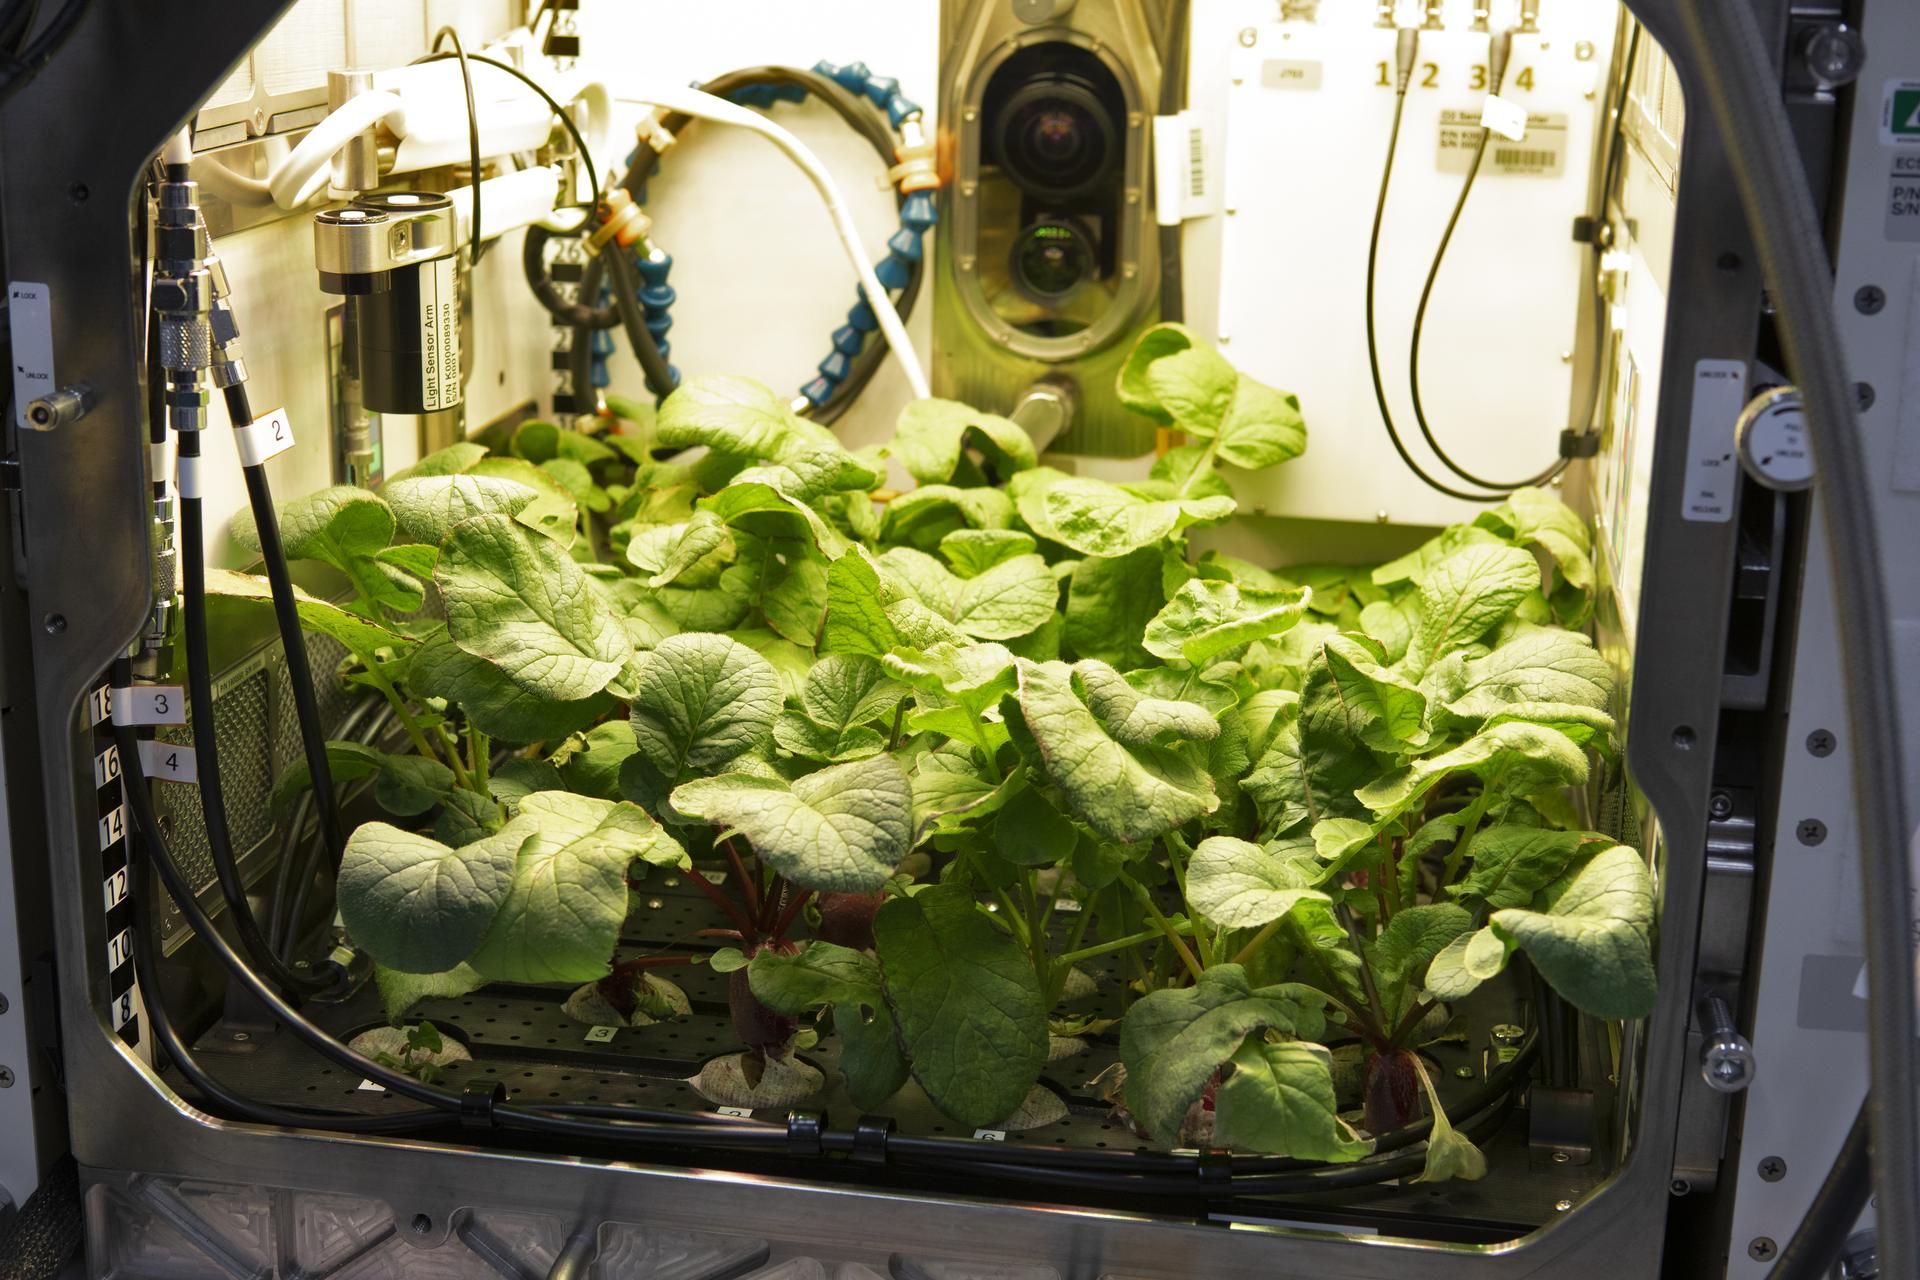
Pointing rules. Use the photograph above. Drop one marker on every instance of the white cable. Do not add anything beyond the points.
(179, 148)
(299, 177)
(707, 106)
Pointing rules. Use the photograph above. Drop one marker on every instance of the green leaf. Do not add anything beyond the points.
(593, 769)
(1110, 603)
(1100, 519)
(857, 619)
(700, 701)
(931, 434)
(741, 418)
(1158, 342)
(465, 817)
(399, 992)
(361, 637)
(1256, 426)
(843, 829)
(820, 973)
(1389, 623)
(411, 785)
(795, 602)
(1466, 962)
(1173, 1040)
(1108, 750)
(1536, 664)
(1029, 832)
(1515, 757)
(768, 501)
(971, 552)
(1008, 600)
(1465, 596)
(1205, 619)
(562, 917)
(425, 508)
(343, 525)
(499, 707)
(947, 784)
(553, 513)
(1592, 942)
(1279, 1099)
(452, 460)
(1511, 864)
(1182, 468)
(519, 601)
(693, 553)
(1413, 567)
(1411, 939)
(1450, 1153)
(843, 693)
(974, 676)
(966, 1003)
(1242, 886)
(416, 905)
(1377, 707)
(927, 516)
(870, 1055)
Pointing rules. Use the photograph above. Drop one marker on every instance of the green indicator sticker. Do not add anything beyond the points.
(1900, 114)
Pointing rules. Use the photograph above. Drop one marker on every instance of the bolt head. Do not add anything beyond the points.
(1561, 1206)
(1561, 1157)
(1720, 805)
(1727, 1066)
(1773, 1168)
(1248, 37)
(1869, 299)
(1810, 831)
(1762, 1248)
(1821, 742)
(6, 1078)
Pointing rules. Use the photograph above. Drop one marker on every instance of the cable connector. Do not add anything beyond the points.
(918, 169)
(1499, 54)
(1579, 444)
(1406, 51)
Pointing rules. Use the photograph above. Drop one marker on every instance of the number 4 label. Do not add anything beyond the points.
(150, 704)
(169, 763)
(265, 437)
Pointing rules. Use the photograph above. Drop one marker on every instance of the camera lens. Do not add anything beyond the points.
(1056, 138)
(1051, 260)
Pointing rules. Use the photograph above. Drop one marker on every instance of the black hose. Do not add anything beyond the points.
(581, 314)
(473, 133)
(19, 69)
(639, 337)
(1173, 98)
(1836, 1207)
(213, 804)
(1742, 96)
(282, 923)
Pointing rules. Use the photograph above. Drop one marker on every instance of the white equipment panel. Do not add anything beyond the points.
(1297, 101)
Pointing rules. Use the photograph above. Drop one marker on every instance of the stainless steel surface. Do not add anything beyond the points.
(356, 166)
(60, 408)
(1046, 409)
(355, 241)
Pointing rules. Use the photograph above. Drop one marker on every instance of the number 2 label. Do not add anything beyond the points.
(265, 437)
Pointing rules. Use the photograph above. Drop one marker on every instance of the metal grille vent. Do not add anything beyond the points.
(240, 718)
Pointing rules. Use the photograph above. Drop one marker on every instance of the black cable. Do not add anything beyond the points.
(19, 69)
(213, 804)
(533, 263)
(1173, 98)
(1836, 1207)
(639, 337)
(586, 396)
(282, 923)
(473, 131)
(16, 22)
(286, 613)
(566, 118)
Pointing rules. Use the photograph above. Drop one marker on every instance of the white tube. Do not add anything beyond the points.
(508, 202)
(706, 106)
(300, 176)
(218, 178)
(179, 148)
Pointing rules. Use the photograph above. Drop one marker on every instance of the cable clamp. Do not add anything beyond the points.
(1214, 1167)
(627, 223)
(655, 134)
(803, 1133)
(479, 1105)
(870, 1139)
(917, 170)
(1579, 444)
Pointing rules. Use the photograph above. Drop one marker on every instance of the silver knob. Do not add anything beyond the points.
(1770, 437)
(1726, 1060)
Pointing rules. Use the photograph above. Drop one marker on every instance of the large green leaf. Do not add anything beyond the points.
(820, 973)
(1536, 664)
(1512, 863)
(416, 905)
(866, 614)
(1207, 398)
(344, 526)
(1109, 604)
(927, 516)
(1173, 1040)
(1240, 885)
(1029, 832)
(971, 552)
(1115, 756)
(1100, 519)
(966, 1002)
(1008, 600)
(844, 694)
(1279, 1099)
(948, 784)
(426, 507)
(1411, 939)
(1206, 618)
(741, 418)
(1465, 596)
(562, 916)
(1516, 757)
(842, 829)
(453, 460)
(518, 600)
(360, 635)
(592, 767)
(1376, 706)
(499, 707)
(1592, 940)
(931, 434)
(701, 700)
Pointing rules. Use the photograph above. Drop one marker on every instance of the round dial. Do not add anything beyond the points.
(1771, 438)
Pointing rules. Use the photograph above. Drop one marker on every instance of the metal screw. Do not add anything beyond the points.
(241, 1037)
(1248, 37)
(54, 623)
(1561, 1157)
(1773, 1168)
(1680, 1186)
(1562, 1206)
(1868, 299)
(1811, 831)
(1683, 738)
(1720, 805)
(1820, 742)
(6, 1078)
(78, 193)
(1762, 1248)
(1863, 393)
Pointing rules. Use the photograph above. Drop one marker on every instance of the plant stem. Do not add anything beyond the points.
(1258, 940)
(1177, 855)
(1408, 1024)
(1055, 980)
(1015, 918)
(749, 885)
(747, 928)
(1361, 1022)
(1366, 966)
(787, 917)
(479, 748)
(401, 713)
(1071, 958)
(1166, 927)
(452, 748)
(899, 718)
(1469, 824)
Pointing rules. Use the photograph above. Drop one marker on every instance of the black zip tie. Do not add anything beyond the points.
(803, 1133)
(870, 1139)
(477, 1104)
(1215, 1168)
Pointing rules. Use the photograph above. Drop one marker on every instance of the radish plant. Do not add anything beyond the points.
(973, 737)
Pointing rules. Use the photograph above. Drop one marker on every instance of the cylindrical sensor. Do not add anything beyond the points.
(391, 255)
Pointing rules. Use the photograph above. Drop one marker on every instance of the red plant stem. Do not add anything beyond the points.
(719, 933)
(770, 909)
(786, 919)
(734, 913)
(749, 885)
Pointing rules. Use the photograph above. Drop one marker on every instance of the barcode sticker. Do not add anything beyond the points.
(265, 437)
(169, 762)
(1537, 150)
(106, 766)
(150, 704)
(1183, 185)
(990, 1135)
(368, 1086)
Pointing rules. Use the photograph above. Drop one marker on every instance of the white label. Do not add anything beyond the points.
(150, 704)
(124, 1006)
(169, 762)
(120, 949)
(1713, 475)
(99, 705)
(113, 827)
(1182, 178)
(990, 1135)
(736, 1112)
(114, 889)
(1289, 73)
(600, 1035)
(439, 335)
(106, 766)
(1508, 119)
(1899, 117)
(188, 469)
(30, 313)
(1903, 197)
(368, 1086)
(1540, 151)
(265, 437)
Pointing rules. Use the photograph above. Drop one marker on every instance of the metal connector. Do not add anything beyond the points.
(60, 408)
(1726, 1059)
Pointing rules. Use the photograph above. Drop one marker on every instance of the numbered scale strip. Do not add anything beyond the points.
(123, 995)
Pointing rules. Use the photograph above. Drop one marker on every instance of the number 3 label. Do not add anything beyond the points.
(265, 437)
(150, 704)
